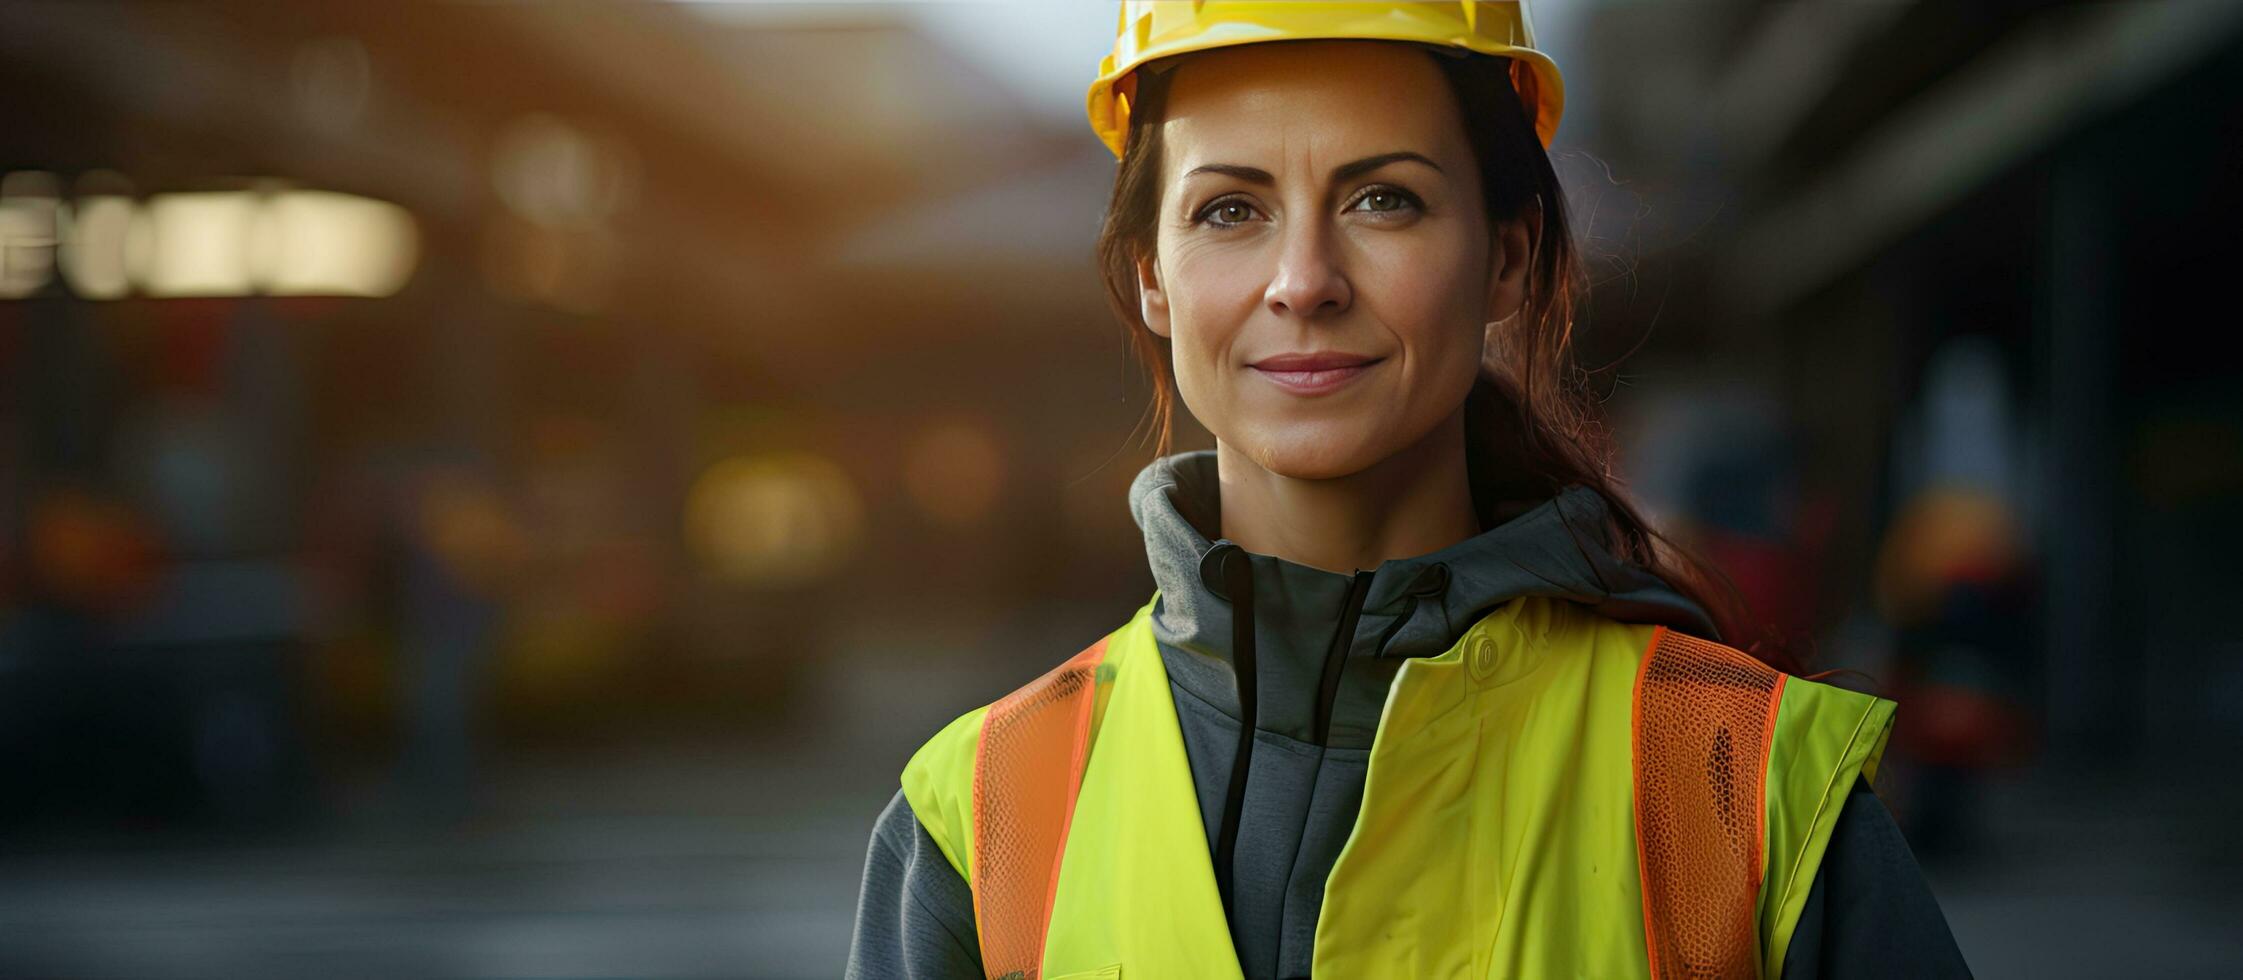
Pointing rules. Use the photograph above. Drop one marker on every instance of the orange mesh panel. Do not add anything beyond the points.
(1704, 714)
(1026, 771)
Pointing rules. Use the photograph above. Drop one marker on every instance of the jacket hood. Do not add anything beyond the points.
(1325, 645)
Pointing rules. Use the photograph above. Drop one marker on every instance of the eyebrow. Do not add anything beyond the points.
(1357, 168)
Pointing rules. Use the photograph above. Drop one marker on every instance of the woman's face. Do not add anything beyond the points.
(1319, 200)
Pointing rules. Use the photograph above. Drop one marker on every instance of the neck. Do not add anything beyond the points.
(1414, 502)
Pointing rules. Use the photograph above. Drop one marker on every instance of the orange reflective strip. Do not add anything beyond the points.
(1022, 809)
(1704, 717)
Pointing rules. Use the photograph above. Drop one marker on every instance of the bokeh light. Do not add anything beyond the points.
(556, 173)
(774, 520)
(194, 244)
(29, 216)
(93, 246)
(320, 243)
(954, 470)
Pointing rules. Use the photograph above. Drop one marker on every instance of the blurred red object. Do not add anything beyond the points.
(1949, 725)
(91, 552)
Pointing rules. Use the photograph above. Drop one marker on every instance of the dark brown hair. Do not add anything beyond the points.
(1531, 421)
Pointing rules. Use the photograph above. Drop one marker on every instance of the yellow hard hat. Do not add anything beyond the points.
(1152, 29)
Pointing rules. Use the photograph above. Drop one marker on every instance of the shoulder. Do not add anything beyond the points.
(938, 784)
(1835, 731)
(1805, 704)
(1870, 910)
(1802, 745)
(949, 753)
(1559, 624)
(914, 914)
(938, 780)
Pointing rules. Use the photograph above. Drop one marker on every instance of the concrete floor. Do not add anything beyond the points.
(741, 859)
(634, 868)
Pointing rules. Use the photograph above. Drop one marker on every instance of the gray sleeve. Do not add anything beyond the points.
(915, 915)
(1870, 912)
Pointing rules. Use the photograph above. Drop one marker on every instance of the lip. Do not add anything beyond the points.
(1314, 373)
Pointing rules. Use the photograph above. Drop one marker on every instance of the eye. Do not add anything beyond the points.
(1386, 200)
(1228, 212)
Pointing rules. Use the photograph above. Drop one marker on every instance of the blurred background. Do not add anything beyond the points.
(502, 488)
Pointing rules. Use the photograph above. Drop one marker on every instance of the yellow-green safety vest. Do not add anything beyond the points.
(1525, 789)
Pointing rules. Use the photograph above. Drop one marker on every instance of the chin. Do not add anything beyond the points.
(1311, 452)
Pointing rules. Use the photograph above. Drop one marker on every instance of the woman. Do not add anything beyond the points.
(1503, 742)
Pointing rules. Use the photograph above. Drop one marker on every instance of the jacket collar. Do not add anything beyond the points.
(1406, 607)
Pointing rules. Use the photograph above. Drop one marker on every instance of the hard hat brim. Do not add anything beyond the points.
(1540, 87)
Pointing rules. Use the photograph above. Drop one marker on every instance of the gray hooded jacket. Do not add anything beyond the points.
(1304, 666)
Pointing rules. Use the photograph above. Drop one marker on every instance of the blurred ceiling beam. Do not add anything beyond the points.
(771, 151)
(2060, 70)
(777, 158)
(1787, 65)
(848, 100)
(166, 84)
(1895, 53)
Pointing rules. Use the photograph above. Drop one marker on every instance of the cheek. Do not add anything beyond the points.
(1212, 292)
(1429, 290)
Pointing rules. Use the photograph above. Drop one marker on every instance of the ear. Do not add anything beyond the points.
(1510, 261)
(1152, 301)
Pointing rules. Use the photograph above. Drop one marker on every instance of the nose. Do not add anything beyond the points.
(1308, 281)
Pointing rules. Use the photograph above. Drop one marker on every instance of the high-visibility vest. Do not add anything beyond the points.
(1557, 795)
